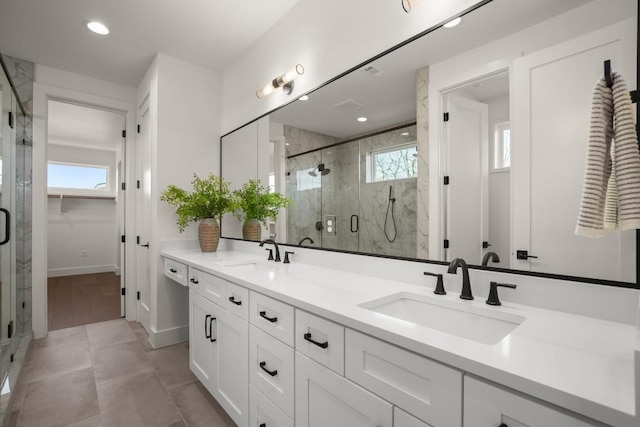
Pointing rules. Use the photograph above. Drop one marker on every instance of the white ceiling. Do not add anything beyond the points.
(210, 33)
(79, 126)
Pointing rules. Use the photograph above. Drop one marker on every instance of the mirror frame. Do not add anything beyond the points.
(591, 280)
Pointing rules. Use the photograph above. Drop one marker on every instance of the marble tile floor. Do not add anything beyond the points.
(107, 374)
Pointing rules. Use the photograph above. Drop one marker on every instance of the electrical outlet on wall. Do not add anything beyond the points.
(83, 253)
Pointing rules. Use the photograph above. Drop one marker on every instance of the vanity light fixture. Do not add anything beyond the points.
(96, 27)
(362, 119)
(304, 98)
(284, 81)
(454, 22)
(409, 5)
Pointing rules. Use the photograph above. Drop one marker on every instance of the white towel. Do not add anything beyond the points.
(611, 123)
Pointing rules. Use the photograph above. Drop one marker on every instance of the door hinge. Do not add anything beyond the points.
(24, 304)
(138, 128)
(124, 133)
(446, 117)
(137, 240)
(123, 239)
(138, 184)
(11, 357)
(123, 291)
(446, 243)
(446, 180)
(10, 329)
(123, 186)
(11, 119)
(138, 295)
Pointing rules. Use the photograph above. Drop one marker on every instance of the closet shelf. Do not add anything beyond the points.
(62, 196)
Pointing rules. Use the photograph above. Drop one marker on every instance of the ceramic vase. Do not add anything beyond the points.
(251, 230)
(209, 234)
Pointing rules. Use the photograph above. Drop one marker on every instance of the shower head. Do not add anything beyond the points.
(323, 171)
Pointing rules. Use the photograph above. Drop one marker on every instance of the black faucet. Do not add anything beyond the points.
(305, 239)
(490, 256)
(466, 285)
(275, 245)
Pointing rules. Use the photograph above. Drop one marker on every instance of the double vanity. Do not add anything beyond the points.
(300, 344)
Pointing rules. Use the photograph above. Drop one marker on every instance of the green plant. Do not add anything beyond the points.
(257, 202)
(210, 198)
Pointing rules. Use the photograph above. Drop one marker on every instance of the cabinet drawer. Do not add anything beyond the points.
(209, 286)
(402, 419)
(321, 340)
(237, 300)
(272, 316)
(175, 270)
(422, 387)
(271, 368)
(263, 412)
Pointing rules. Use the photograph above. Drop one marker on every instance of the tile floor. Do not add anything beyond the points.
(107, 374)
(82, 299)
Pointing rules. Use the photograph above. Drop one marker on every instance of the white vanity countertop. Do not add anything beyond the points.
(576, 362)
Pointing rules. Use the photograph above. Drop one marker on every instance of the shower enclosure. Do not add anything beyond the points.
(356, 195)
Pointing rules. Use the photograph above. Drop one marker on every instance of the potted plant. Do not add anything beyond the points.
(209, 200)
(256, 203)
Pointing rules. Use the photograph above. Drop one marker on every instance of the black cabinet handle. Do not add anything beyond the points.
(307, 337)
(263, 314)
(193, 280)
(263, 425)
(7, 226)
(206, 319)
(211, 338)
(503, 425)
(233, 300)
(173, 270)
(272, 373)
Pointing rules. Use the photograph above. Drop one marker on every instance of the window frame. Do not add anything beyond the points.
(371, 160)
(498, 146)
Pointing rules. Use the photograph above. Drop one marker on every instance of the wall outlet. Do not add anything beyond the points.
(83, 253)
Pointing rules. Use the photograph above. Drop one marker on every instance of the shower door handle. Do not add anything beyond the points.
(7, 226)
(357, 223)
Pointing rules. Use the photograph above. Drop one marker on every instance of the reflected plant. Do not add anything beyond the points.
(256, 201)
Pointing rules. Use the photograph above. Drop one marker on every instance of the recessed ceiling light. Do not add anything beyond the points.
(97, 27)
(453, 22)
(303, 98)
(362, 119)
(404, 134)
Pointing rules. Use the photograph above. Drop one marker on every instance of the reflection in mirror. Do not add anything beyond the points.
(474, 141)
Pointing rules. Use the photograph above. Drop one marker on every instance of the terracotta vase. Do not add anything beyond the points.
(251, 230)
(209, 234)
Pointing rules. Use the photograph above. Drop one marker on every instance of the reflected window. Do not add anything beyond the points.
(66, 177)
(308, 179)
(502, 146)
(389, 163)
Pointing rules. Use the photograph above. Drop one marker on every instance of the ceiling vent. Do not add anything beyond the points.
(373, 71)
(349, 105)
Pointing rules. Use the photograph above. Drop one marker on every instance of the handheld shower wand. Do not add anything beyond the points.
(390, 206)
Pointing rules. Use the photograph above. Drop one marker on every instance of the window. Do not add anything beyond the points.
(397, 162)
(67, 178)
(502, 146)
(308, 179)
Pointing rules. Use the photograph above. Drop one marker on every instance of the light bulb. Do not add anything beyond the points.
(97, 27)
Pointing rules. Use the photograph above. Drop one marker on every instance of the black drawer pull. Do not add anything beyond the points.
(206, 319)
(272, 373)
(233, 300)
(307, 337)
(211, 338)
(193, 280)
(263, 314)
(263, 425)
(503, 425)
(173, 270)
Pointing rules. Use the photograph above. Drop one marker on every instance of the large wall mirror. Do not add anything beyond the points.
(465, 141)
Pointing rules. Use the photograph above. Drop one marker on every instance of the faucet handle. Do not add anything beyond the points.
(270, 258)
(493, 292)
(439, 290)
(286, 257)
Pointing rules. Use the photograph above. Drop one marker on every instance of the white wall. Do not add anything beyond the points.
(186, 141)
(327, 37)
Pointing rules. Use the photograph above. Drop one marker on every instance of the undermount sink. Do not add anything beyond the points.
(248, 265)
(480, 324)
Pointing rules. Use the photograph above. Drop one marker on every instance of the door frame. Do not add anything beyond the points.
(438, 91)
(42, 94)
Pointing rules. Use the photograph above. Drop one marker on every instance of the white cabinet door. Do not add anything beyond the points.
(402, 419)
(324, 398)
(486, 405)
(202, 348)
(232, 388)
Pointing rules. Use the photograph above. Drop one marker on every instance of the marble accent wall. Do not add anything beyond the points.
(375, 207)
(305, 193)
(301, 140)
(422, 125)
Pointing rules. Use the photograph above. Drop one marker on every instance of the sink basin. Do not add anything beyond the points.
(248, 265)
(480, 324)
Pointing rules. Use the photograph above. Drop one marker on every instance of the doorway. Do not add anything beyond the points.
(85, 214)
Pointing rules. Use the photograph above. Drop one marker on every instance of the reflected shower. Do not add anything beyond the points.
(323, 171)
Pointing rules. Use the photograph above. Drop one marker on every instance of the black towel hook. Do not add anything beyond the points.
(607, 73)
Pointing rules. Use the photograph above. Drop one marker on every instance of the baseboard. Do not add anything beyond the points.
(169, 336)
(74, 271)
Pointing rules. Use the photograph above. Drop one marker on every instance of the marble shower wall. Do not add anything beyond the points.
(305, 193)
(422, 125)
(22, 74)
(302, 140)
